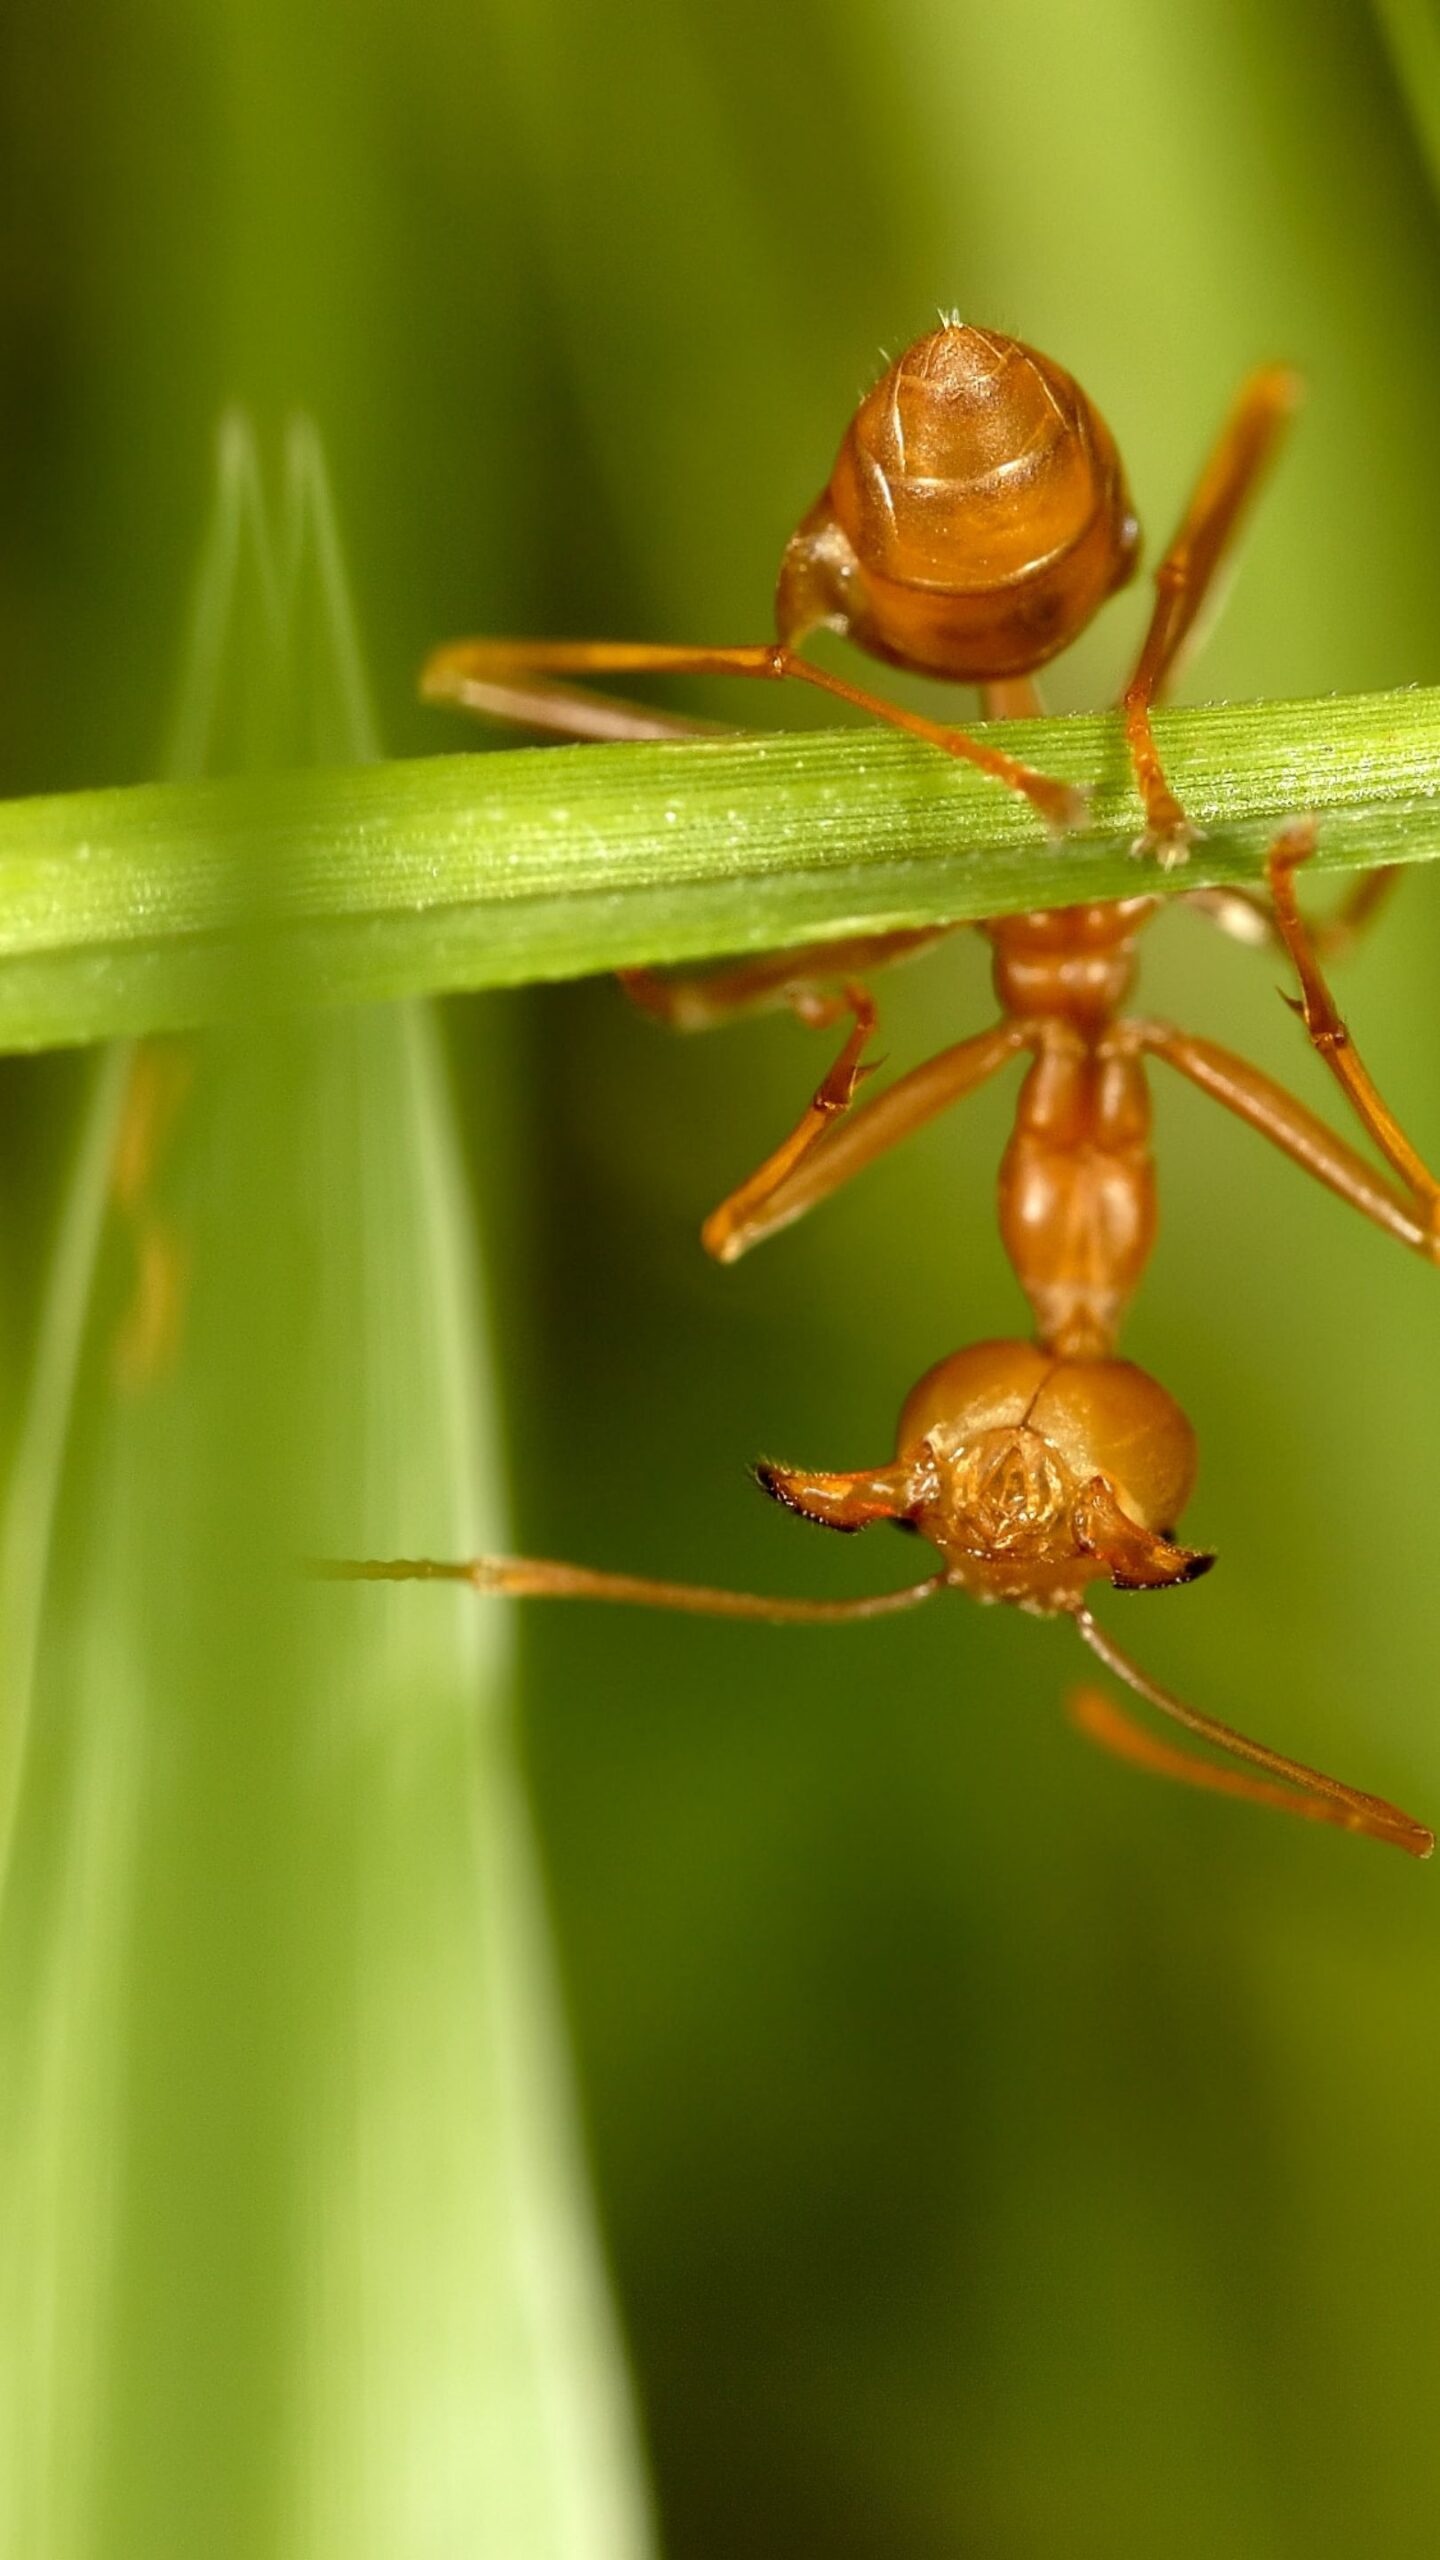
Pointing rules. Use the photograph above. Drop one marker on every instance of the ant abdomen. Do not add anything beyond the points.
(975, 520)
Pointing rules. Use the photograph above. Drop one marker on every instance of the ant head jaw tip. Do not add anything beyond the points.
(1188, 1565)
(845, 1502)
(782, 1485)
(779, 1483)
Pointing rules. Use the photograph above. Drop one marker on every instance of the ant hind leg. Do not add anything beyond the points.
(516, 680)
(1247, 918)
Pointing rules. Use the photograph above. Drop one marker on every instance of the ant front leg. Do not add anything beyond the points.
(766, 1199)
(740, 1217)
(778, 978)
(826, 1148)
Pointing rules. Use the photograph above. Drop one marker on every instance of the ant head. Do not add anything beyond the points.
(1032, 1475)
(976, 518)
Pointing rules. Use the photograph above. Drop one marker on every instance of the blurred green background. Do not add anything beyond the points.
(996, 2154)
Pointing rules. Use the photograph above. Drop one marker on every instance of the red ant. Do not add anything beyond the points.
(976, 518)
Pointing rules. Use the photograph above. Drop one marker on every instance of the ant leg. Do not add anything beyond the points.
(727, 1230)
(1011, 698)
(1248, 919)
(703, 1001)
(1109, 1727)
(700, 1003)
(822, 1153)
(1240, 913)
(800, 1172)
(1412, 1214)
(1337, 933)
(1244, 1090)
(536, 1578)
(1328, 1035)
(1186, 576)
(477, 673)
(1298, 1132)
(520, 700)
(1315, 1797)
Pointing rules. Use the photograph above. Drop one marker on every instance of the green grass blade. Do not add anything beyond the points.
(1412, 29)
(471, 871)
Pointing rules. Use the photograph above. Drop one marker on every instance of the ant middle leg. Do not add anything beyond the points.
(1290, 1125)
(829, 1144)
(1329, 1035)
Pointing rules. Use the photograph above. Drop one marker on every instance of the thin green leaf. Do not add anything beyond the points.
(472, 871)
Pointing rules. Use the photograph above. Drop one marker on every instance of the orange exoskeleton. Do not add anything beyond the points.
(976, 518)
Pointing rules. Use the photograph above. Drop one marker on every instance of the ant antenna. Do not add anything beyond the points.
(1307, 1792)
(537, 1578)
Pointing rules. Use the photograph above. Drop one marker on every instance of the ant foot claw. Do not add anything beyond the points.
(1294, 844)
(1064, 806)
(1168, 849)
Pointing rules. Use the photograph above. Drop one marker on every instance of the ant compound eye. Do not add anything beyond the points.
(1113, 1421)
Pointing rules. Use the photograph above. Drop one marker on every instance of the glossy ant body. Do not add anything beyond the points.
(976, 518)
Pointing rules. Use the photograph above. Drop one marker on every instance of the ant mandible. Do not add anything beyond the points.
(976, 518)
